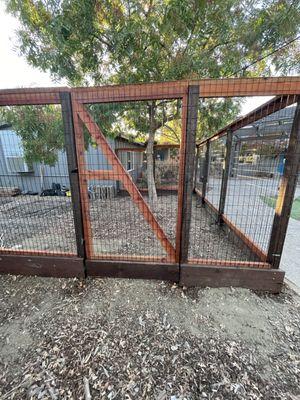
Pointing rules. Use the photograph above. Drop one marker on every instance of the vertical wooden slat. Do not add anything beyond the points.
(83, 180)
(286, 193)
(186, 173)
(67, 117)
(225, 175)
(205, 172)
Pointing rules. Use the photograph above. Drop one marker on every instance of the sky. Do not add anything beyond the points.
(16, 72)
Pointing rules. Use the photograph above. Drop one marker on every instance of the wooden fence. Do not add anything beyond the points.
(260, 272)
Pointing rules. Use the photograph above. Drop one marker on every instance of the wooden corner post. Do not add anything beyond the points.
(286, 193)
(67, 117)
(225, 176)
(186, 173)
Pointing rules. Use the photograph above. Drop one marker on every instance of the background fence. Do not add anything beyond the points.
(81, 191)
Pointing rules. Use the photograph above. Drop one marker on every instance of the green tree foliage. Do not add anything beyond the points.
(117, 41)
(121, 41)
(40, 129)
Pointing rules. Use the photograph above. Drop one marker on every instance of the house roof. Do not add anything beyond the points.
(274, 123)
(126, 140)
(277, 124)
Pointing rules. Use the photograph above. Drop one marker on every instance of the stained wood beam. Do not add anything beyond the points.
(186, 172)
(231, 87)
(83, 180)
(133, 270)
(69, 133)
(269, 280)
(51, 266)
(31, 96)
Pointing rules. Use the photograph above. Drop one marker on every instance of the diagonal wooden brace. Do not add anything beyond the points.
(122, 175)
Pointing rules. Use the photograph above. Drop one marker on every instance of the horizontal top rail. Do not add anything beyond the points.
(260, 112)
(229, 87)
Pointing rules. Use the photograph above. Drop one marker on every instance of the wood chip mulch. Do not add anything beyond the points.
(123, 339)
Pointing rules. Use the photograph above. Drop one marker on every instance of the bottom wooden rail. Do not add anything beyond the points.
(267, 280)
(59, 267)
(138, 270)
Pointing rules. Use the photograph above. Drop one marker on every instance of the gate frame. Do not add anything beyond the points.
(223, 274)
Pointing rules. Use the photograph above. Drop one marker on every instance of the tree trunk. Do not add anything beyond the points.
(42, 173)
(150, 152)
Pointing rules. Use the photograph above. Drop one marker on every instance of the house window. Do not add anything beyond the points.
(17, 164)
(129, 161)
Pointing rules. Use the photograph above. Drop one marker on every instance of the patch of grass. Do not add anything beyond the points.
(271, 202)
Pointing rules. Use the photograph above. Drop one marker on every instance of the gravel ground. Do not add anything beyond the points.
(125, 339)
(46, 224)
(37, 223)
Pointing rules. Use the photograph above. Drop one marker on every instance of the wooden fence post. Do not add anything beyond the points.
(205, 171)
(286, 193)
(186, 178)
(225, 176)
(67, 116)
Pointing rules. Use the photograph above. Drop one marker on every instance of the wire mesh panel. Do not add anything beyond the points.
(254, 167)
(36, 213)
(130, 186)
(166, 167)
(215, 170)
(253, 185)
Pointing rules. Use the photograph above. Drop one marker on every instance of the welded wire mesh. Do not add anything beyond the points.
(130, 216)
(253, 186)
(35, 205)
(255, 167)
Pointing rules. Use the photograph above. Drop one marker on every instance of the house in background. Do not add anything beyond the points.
(15, 172)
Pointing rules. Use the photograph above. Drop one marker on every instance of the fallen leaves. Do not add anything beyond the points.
(119, 340)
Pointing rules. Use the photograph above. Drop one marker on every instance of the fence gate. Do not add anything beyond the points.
(120, 231)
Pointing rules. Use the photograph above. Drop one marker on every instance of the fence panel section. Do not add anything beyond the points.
(241, 234)
(131, 207)
(36, 215)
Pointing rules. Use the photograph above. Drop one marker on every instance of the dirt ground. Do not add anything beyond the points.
(125, 339)
(37, 223)
(46, 224)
